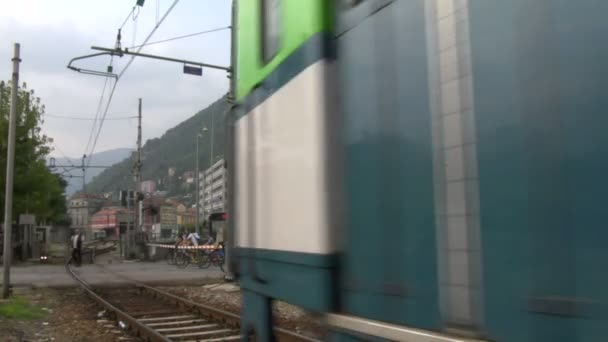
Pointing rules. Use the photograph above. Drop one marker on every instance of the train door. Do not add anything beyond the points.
(390, 251)
(539, 69)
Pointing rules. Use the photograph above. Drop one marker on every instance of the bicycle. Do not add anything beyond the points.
(184, 257)
(170, 257)
(215, 258)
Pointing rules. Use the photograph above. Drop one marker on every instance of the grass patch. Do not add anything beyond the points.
(20, 308)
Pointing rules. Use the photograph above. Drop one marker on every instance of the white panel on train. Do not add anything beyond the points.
(283, 163)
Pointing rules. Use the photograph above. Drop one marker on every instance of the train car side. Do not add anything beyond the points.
(283, 227)
(429, 168)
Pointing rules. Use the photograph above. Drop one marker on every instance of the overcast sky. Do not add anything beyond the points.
(53, 32)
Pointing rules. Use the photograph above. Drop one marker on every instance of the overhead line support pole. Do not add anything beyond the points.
(84, 175)
(10, 168)
(137, 212)
(197, 187)
(129, 224)
(138, 170)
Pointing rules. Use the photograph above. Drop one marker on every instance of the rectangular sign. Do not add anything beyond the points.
(193, 70)
(27, 219)
(168, 217)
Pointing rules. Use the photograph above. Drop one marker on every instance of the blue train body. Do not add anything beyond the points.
(430, 165)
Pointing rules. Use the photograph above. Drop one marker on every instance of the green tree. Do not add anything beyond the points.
(36, 190)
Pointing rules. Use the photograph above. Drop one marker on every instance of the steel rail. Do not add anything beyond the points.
(140, 328)
(229, 318)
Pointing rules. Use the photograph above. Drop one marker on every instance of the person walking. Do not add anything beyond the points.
(76, 240)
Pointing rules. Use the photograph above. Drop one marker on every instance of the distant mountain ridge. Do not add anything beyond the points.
(174, 149)
(104, 158)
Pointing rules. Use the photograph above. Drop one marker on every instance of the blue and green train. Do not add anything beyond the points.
(423, 170)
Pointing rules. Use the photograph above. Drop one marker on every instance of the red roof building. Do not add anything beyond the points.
(111, 219)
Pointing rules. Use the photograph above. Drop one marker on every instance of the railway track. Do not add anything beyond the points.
(151, 314)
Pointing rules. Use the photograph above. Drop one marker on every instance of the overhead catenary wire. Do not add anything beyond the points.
(67, 170)
(128, 16)
(101, 121)
(134, 31)
(175, 2)
(181, 37)
(88, 119)
(97, 112)
(68, 159)
(157, 10)
(94, 126)
(135, 17)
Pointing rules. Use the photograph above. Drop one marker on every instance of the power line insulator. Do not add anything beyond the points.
(118, 38)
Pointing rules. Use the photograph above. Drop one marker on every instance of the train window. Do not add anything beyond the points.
(270, 28)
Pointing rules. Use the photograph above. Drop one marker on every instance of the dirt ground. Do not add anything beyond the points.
(70, 317)
(287, 316)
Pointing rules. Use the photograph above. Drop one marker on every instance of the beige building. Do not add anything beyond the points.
(186, 218)
(80, 209)
(213, 189)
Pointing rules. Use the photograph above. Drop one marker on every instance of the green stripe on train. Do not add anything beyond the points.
(299, 20)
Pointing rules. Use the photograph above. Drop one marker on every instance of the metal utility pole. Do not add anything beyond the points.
(137, 204)
(129, 237)
(198, 187)
(210, 164)
(85, 229)
(84, 175)
(10, 168)
(211, 142)
(138, 171)
(198, 184)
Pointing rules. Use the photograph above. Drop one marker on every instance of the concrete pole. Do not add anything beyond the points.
(197, 180)
(140, 216)
(211, 142)
(84, 178)
(10, 168)
(211, 161)
(229, 228)
(138, 170)
(129, 219)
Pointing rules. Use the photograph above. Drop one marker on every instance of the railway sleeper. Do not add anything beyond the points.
(153, 314)
(211, 333)
(188, 328)
(174, 323)
(166, 318)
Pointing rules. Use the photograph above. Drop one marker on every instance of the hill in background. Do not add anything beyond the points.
(175, 149)
(105, 158)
